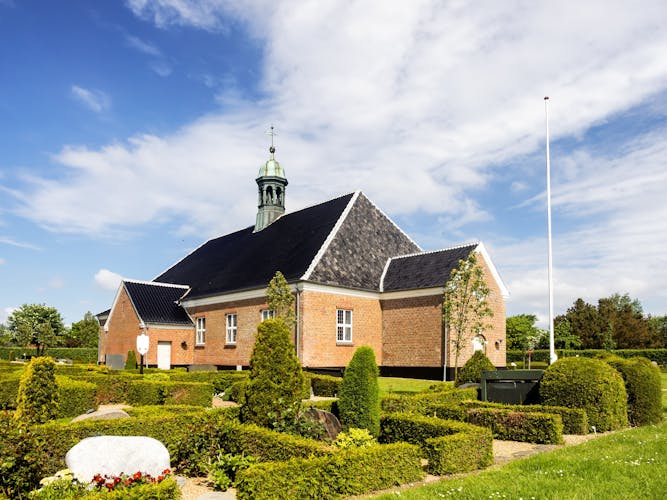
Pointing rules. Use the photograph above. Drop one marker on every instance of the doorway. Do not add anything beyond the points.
(164, 355)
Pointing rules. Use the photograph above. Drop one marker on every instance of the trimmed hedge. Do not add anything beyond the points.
(76, 354)
(423, 402)
(37, 396)
(589, 384)
(542, 355)
(9, 388)
(359, 401)
(511, 425)
(644, 387)
(473, 368)
(575, 420)
(76, 397)
(438, 438)
(325, 385)
(347, 472)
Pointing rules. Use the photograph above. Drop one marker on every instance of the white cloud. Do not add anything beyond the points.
(4, 240)
(56, 282)
(5, 313)
(94, 100)
(142, 46)
(107, 280)
(2, 261)
(204, 14)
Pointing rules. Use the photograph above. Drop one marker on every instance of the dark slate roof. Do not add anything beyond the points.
(423, 270)
(246, 260)
(156, 303)
(357, 255)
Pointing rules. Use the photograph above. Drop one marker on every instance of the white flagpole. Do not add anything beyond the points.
(552, 351)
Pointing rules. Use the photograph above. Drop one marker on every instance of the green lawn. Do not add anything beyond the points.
(389, 385)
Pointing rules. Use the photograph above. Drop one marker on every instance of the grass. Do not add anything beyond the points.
(390, 385)
(628, 464)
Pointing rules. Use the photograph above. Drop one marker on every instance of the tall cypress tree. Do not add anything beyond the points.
(359, 401)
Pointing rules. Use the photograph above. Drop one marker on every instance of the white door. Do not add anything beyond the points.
(164, 355)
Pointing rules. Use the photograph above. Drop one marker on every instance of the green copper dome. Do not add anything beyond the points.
(271, 169)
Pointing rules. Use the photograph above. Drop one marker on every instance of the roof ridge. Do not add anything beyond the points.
(334, 231)
(390, 220)
(427, 252)
(154, 283)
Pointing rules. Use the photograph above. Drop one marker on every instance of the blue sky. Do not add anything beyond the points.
(132, 131)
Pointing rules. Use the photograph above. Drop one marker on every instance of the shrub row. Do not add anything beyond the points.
(347, 472)
(543, 428)
(449, 446)
(657, 355)
(76, 354)
(575, 420)
(75, 396)
(422, 402)
(324, 385)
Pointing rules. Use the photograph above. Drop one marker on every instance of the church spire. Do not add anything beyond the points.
(271, 184)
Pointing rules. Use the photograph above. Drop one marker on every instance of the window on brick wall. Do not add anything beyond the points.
(343, 325)
(201, 331)
(267, 314)
(231, 328)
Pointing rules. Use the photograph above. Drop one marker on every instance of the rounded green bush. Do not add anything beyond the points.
(473, 368)
(131, 360)
(37, 398)
(359, 398)
(589, 384)
(276, 380)
(643, 385)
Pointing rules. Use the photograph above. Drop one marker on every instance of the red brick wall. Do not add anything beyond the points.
(124, 328)
(412, 331)
(216, 351)
(318, 328)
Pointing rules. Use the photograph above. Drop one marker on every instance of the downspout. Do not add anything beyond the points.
(299, 289)
(445, 344)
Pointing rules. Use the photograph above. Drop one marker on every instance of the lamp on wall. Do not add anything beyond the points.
(184, 345)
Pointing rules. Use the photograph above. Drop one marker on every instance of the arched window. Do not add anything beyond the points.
(479, 343)
(278, 196)
(269, 195)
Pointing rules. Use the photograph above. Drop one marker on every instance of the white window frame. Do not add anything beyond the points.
(231, 320)
(343, 326)
(200, 338)
(265, 314)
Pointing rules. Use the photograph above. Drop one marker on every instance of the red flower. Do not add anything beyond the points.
(166, 471)
(136, 476)
(109, 485)
(116, 480)
(160, 478)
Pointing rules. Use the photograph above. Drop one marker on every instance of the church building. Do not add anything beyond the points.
(358, 280)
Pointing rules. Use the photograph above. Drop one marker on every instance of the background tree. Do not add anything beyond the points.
(659, 326)
(280, 299)
(465, 307)
(5, 335)
(586, 324)
(624, 318)
(36, 324)
(84, 333)
(521, 332)
(359, 398)
(563, 336)
(276, 382)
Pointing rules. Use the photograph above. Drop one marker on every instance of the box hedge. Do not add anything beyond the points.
(75, 396)
(432, 435)
(542, 355)
(575, 420)
(325, 385)
(589, 384)
(9, 387)
(422, 402)
(76, 354)
(511, 425)
(344, 473)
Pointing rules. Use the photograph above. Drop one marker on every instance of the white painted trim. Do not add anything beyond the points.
(474, 243)
(338, 290)
(390, 220)
(330, 238)
(163, 326)
(409, 294)
(155, 283)
(113, 306)
(222, 298)
(481, 249)
(384, 273)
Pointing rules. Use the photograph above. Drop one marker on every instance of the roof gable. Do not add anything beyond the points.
(423, 270)
(157, 303)
(359, 247)
(246, 260)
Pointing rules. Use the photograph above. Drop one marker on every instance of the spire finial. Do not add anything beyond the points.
(272, 133)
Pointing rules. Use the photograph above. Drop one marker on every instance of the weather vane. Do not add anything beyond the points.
(272, 133)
